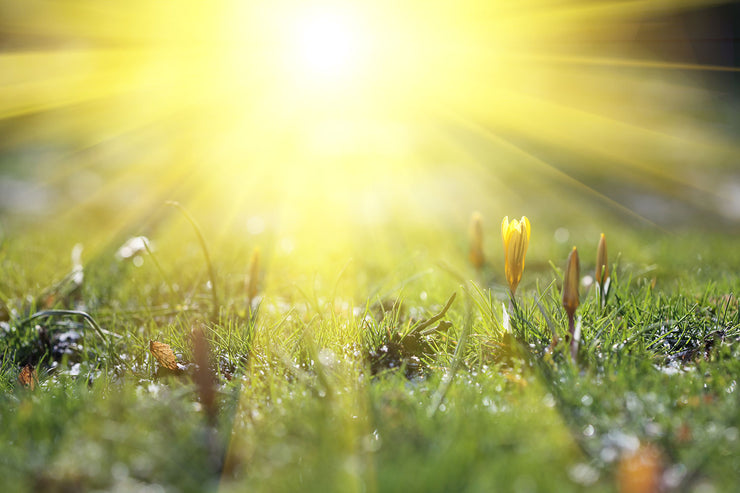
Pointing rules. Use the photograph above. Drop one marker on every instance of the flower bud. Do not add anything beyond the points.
(477, 258)
(602, 262)
(516, 240)
(570, 283)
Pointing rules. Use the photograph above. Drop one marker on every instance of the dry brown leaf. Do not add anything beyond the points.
(164, 355)
(641, 471)
(27, 377)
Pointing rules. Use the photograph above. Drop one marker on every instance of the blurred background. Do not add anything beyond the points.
(334, 124)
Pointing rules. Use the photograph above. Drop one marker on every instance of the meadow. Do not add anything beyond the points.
(355, 376)
(258, 246)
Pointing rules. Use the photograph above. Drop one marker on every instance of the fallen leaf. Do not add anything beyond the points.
(164, 355)
(27, 377)
(641, 471)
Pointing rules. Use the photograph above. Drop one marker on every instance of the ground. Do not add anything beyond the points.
(325, 383)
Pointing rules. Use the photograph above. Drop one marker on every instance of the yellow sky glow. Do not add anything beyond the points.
(340, 107)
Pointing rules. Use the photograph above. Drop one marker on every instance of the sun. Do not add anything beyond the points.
(294, 59)
(325, 46)
(333, 106)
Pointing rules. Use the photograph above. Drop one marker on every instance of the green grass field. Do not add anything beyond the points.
(235, 246)
(325, 383)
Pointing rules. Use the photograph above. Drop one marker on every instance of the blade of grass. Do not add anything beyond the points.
(204, 248)
(457, 357)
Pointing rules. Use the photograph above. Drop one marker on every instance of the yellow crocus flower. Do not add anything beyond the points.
(516, 240)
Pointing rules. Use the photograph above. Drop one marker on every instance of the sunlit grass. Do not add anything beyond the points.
(303, 409)
(327, 157)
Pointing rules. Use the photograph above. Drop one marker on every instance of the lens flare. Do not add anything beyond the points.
(327, 113)
(326, 46)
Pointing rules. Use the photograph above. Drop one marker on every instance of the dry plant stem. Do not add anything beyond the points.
(205, 379)
(423, 325)
(104, 334)
(603, 291)
(77, 313)
(572, 336)
(159, 269)
(204, 376)
(204, 247)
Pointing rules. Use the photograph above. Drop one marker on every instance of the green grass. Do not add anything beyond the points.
(328, 386)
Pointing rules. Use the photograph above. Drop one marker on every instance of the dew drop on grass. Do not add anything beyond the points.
(626, 443)
(608, 454)
(583, 474)
(372, 442)
(588, 431)
(423, 296)
(674, 475)
(133, 247)
(327, 357)
(653, 429)
(153, 389)
(633, 402)
(587, 400)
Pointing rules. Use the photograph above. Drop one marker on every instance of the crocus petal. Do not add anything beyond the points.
(515, 235)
